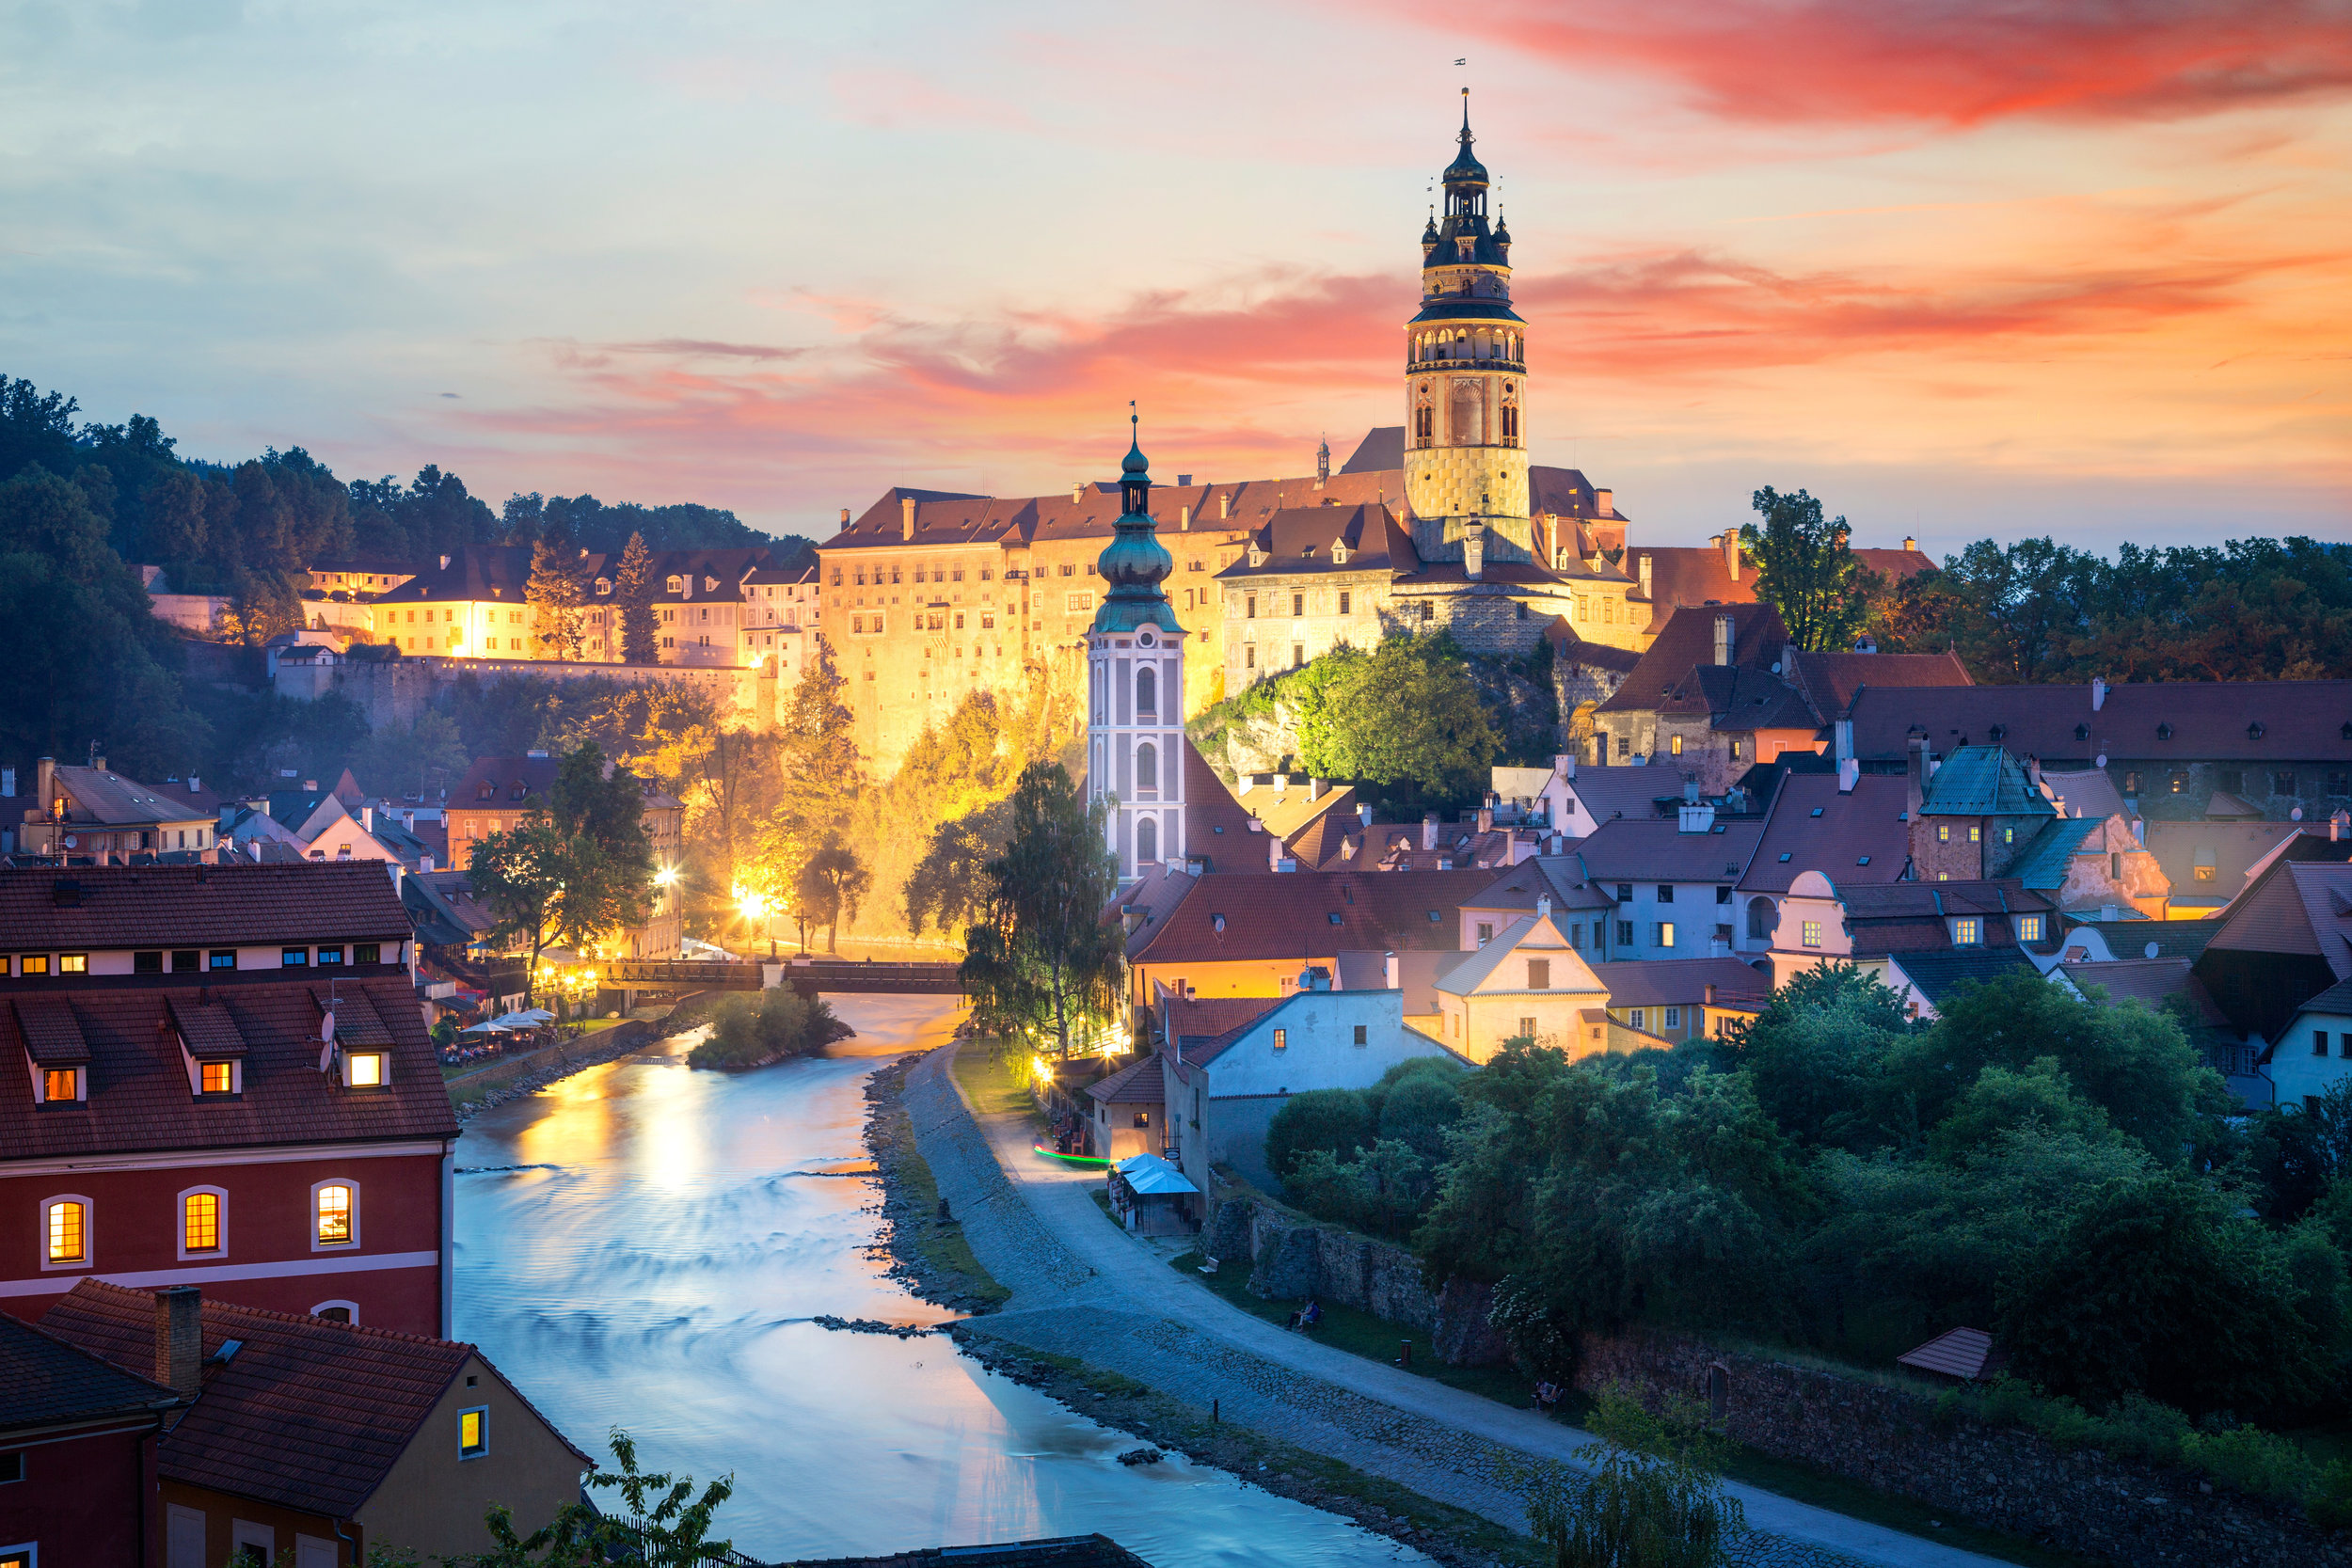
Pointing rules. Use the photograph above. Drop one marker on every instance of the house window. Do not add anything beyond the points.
(294, 958)
(186, 960)
(2319, 1042)
(1813, 933)
(1625, 933)
(1362, 1035)
(1975, 833)
(1967, 931)
(1737, 749)
(1638, 1017)
(1298, 603)
(2029, 927)
(2131, 784)
(1674, 1018)
(331, 1203)
(74, 963)
(1666, 933)
(1486, 933)
(1344, 601)
(1666, 893)
(200, 1222)
(1624, 892)
(331, 955)
(34, 963)
(1282, 1040)
(65, 1230)
(215, 1077)
(473, 1433)
(59, 1083)
(364, 1070)
(2180, 781)
(1527, 1030)
(367, 953)
(223, 958)
(1942, 833)
(1675, 746)
(147, 964)
(2009, 835)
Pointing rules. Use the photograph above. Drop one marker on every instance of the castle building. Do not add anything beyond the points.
(1134, 686)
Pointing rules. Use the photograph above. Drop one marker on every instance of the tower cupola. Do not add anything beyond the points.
(1135, 562)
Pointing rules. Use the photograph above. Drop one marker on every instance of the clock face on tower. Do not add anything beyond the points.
(1143, 640)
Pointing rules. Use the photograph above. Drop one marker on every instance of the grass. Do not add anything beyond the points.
(995, 1081)
(1376, 1339)
(943, 1247)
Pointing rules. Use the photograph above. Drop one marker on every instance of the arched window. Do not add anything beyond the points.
(1510, 414)
(1759, 918)
(64, 1232)
(1148, 766)
(334, 1214)
(1467, 416)
(203, 1222)
(1147, 839)
(677, 584)
(337, 1311)
(1146, 690)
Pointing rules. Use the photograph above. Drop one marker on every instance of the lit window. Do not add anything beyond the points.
(1675, 746)
(366, 1069)
(200, 1222)
(215, 1077)
(1942, 833)
(1813, 933)
(62, 1083)
(74, 963)
(1975, 833)
(473, 1434)
(2029, 927)
(1967, 931)
(1666, 933)
(334, 1215)
(68, 1231)
(35, 963)
(1282, 1040)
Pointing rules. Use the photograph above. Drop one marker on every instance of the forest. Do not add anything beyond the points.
(2166, 1271)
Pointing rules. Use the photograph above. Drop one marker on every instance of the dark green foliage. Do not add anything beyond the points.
(1041, 960)
(2293, 1160)
(1805, 570)
(584, 523)
(948, 888)
(579, 864)
(1817, 1052)
(745, 1033)
(830, 888)
(1336, 1121)
(2154, 1289)
(1655, 1500)
(632, 595)
(1419, 1110)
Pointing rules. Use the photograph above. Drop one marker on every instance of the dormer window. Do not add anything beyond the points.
(677, 584)
(488, 791)
(216, 1077)
(366, 1069)
(62, 1083)
(1339, 554)
(710, 585)
(604, 586)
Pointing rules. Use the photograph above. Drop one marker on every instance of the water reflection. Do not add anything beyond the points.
(655, 1265)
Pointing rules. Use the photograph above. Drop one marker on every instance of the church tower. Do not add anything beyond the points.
(1135, 687)
(1466, 383)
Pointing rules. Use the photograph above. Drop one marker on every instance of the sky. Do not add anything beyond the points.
(2010, 268)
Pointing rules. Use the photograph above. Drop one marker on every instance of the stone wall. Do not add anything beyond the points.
(1291, 1258)
(2119, 1510)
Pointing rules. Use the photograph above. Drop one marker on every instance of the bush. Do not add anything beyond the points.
(1335, 1120)
(2261, 1464)
(745, 1033)
(2329, 1503)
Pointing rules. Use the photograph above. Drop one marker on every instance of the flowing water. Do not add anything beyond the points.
(643, 1245)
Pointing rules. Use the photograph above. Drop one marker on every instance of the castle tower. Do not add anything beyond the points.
(1466, 383)
(1135, 687)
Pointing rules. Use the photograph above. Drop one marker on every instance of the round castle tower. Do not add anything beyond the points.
(1466, 383)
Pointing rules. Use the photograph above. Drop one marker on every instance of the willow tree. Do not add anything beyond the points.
(1041, 956)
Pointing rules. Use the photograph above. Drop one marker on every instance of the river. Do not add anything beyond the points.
(642, 1245)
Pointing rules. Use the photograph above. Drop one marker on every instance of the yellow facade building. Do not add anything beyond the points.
(1527, 982)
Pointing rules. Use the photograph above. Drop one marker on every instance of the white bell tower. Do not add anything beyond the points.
(1136, 687)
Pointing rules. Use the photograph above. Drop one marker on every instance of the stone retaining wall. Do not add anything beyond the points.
(1292, 1257)
(2119, 1510)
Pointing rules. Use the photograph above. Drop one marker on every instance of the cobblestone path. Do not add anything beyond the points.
(1083, 1287)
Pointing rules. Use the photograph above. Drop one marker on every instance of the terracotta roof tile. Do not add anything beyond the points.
(45, 1379)
(1858, 836)
(2209, 720)
(200, 906)
(1138, 1083)
(1672, 982)
(49, 1032)
(1662, 681)
(1657, 851)
(1287, 914)
(205, 1028)
(1833, 681)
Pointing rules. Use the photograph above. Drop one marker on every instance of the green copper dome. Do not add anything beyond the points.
(1136, 562)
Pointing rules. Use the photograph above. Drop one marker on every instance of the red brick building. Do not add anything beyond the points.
(77, 1453)
(173, 1113)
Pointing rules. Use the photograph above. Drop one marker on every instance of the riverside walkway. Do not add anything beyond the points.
(1084, 1287)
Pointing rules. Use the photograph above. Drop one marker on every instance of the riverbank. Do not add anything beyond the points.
(474, 1093)
(924, 1242)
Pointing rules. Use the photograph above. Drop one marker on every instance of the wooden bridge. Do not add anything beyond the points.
(819, 976)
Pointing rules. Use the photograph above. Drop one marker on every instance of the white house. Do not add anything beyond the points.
(1222, 1091)
(2315, 1054)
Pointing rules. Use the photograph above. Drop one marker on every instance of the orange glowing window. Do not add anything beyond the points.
(200, 1222)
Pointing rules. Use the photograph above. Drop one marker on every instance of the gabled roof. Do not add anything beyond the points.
(1204, 1019)
(1300, 539)
(2089, 793)
(1530, 936)
(2336, 999)
(1743, 699)
(2299, 907)
(1856, 836)
(1983, 780)
(1139, 1083)
(2229, 850)
(1149, 898)
(197, 905)
(1657, 851)
(308, 1413)
(2047, 859)
(139, 1099)
(2153, 981)
(1700, 574)
(1662, 681)
(1217, 825)
(495, 572)
(1832, 681)
(1672, 982)
(1301, 915)
(1937, 900)
(2171, 938)
(1558, 878)
(1940, 973)
(46, 1380)
(514, 783)
(1637, 792)
(110, 799)
(1286, 811)
(2207, 721)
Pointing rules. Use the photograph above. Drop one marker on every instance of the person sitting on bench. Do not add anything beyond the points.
(1306, 1317)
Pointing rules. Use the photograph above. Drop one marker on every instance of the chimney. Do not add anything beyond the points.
(1695, 819)
(1247, 781)
(1843, 731)
(1690, 789)
(1723, 626)
(1224, 504)
(1429, 831)
(1184, 481)
(366, 820)
(1077, 491)
(2110, 912)
(8, 784)
(1543, 906)
(2098, 693)
(310, 784)
(2033, 771)
(1849, 774)
(195, 783)
(444, 563)
(98, 762)
(1646, 577)
(1909, 543)
(1788, 661)
(1487, 819)
(1282, 783)
(1710, 993)
(1731, 552)
(2339, 828)
(1393, 975)
(1363, 813)
(906, 516)
(1315, 788)
(1916, 776)
(179, 1339)
(1604, 503)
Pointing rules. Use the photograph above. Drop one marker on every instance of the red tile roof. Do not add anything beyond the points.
(1217, 825)
(2229, 850)
(200, 906)
(1558, 878)
(1832, 681)
(1256, 915)
(1961, 1352)
(44, 1378)
(308, 1413)
(1818, 828)
(1683, 982)
(502, 777)
(1700, 574)
(1657, 851)
(1204, 1019)
(1136, 1084)
(138, 1088)
(2210, 720)
(1300, 539)
(1662, 681)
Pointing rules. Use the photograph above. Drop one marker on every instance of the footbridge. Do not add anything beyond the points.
(810, 977)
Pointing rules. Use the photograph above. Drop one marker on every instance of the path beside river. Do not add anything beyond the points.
(1084, 1288)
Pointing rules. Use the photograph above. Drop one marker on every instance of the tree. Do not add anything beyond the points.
(1805, 570)
(632, 595)
(1335, 1121)
(1405, 718)
(1041, 957)
(831, 886)
(601, 812)
(948, 888)
(519, 877)
(667, 1526)
(1656, 1500)
(554, 593)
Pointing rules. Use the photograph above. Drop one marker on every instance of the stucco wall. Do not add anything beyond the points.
(433, 1500)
